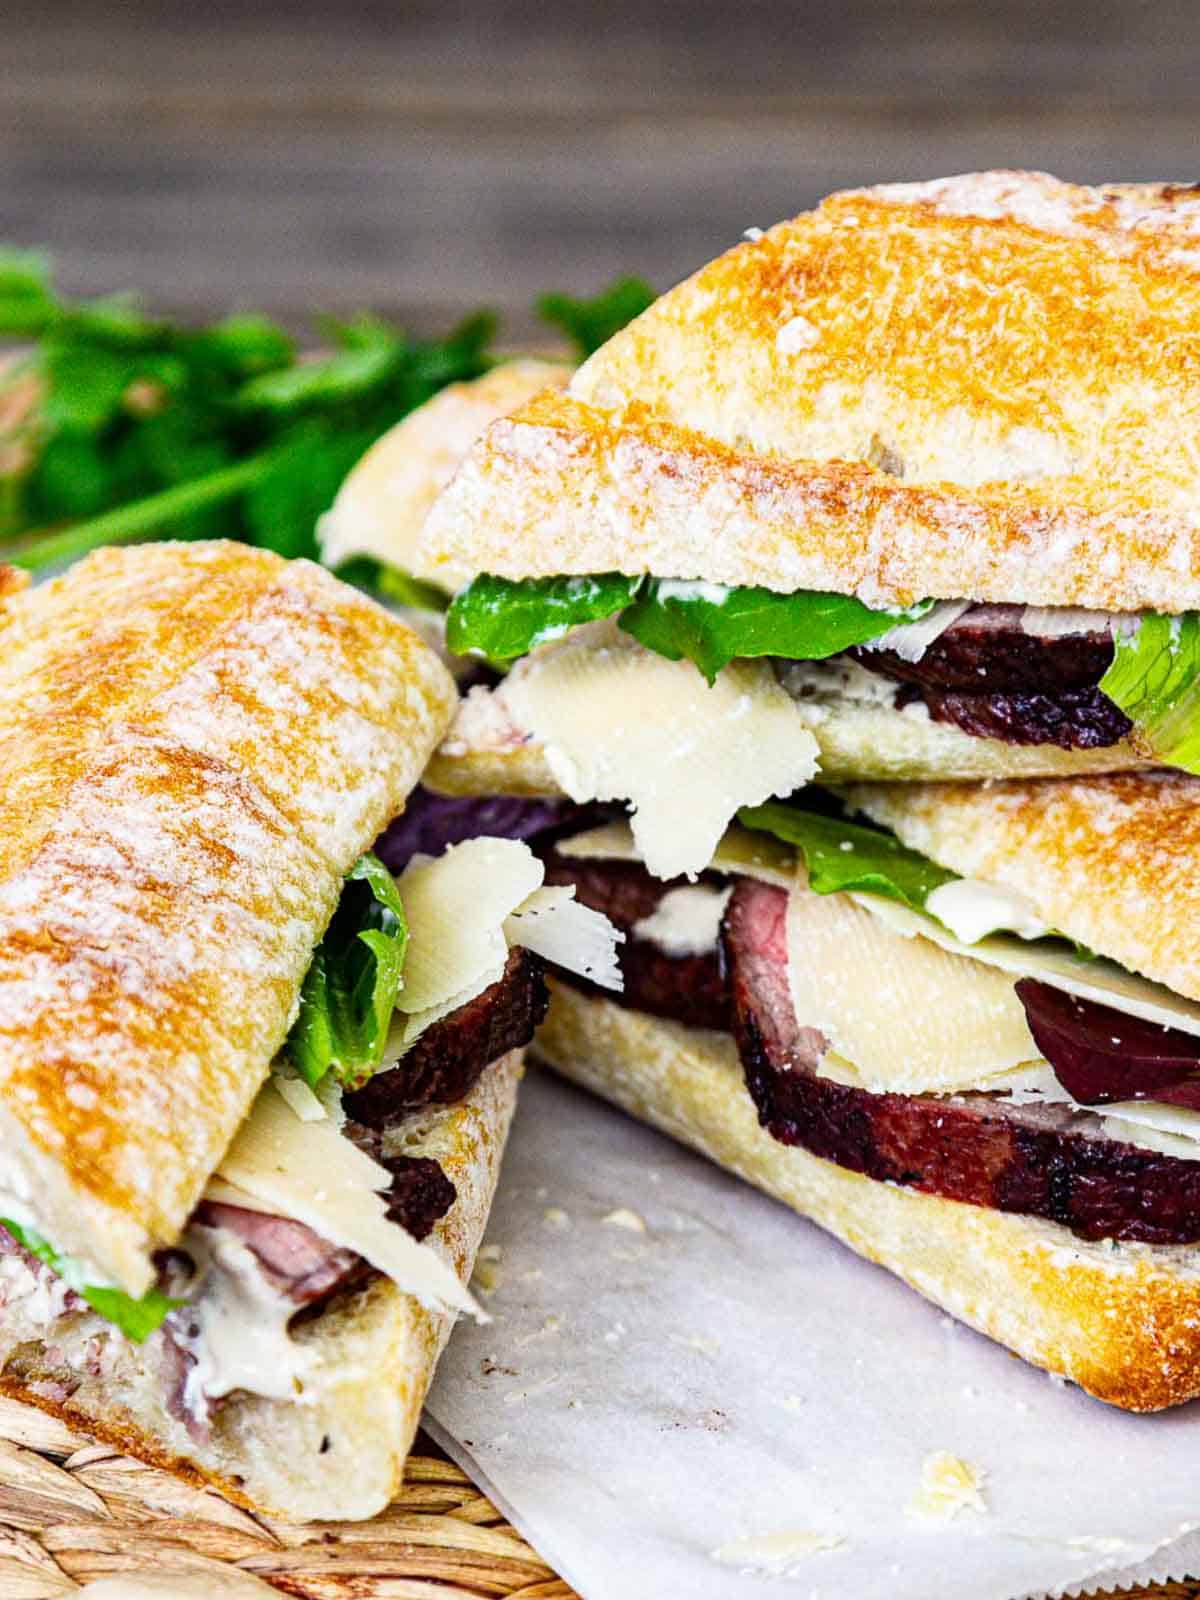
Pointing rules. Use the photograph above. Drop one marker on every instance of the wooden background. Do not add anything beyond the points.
(429, 156)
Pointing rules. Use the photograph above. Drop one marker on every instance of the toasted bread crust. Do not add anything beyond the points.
(1113, 862)
(198, 742)
(1122, 1321)
(980, 388)
(340, 1453)
(382, 506)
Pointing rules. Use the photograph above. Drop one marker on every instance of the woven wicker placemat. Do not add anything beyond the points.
(72, 1510)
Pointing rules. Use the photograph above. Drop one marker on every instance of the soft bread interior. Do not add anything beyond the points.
(1118, 1319)
(338, 1450)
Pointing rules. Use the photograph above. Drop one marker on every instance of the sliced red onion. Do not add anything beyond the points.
(1100, 1054)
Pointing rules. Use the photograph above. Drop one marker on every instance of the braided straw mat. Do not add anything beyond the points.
(72, 1511)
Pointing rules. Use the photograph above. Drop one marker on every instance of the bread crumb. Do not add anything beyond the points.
(948, 1485)
(624, 1218)
(556, 1217)
(774, 1555)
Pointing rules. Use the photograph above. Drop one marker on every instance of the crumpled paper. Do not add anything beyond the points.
(687, 1390)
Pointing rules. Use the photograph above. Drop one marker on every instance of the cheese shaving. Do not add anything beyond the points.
(774, 1555)
(618, 722)
(907, 1016)
(310, 1172)
(948, 1485)
(553, 924)
(753, 855)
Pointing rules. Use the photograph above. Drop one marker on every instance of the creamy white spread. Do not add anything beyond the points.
(972, 909)
(686, 920)
(236, 1326)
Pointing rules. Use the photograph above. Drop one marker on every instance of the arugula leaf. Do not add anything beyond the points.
(349, 994)
(591, 323)
(136, 1319)
(503, 618)
(1155, 680)
(710, 625)
(841, 856)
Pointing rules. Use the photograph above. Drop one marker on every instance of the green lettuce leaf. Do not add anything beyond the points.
(349, 993)
(137, 1319)
(1155, 680)
(841, 856)
(711, 625)
(502, 618)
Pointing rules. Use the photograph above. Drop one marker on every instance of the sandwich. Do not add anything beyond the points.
(255, 1074)
(956, 1025)
(900, 489)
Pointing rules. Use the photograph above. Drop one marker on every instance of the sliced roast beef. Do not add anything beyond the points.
(685, 988)
(301, 1266)
(449, 1057)
(1050, 1162)
(1074, 719)
(430, 822)
(986, 651)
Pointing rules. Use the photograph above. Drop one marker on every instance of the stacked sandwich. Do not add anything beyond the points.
(255, 1078)
(856, 578)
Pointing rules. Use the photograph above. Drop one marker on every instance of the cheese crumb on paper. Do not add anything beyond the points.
(624, 1218)
(948, 1485)
(774, 1555)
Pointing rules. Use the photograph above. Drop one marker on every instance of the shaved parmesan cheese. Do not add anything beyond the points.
(312, 1173)
(1054, 622)
(553, 924)
(1052, 963)
(948, 1485)
(456, 908)
(905, 1015)
(686, 920)
(911, 639)
(618, 722)
(299, 1097)
(754, 855)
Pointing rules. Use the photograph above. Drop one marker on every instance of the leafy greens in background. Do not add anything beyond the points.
(116, 425)
(503, 618)
(841, 856)
(591, 323)
(349, 993)
(137, 1319)
(1155, 680)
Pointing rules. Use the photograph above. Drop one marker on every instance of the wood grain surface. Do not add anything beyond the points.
(423, 157)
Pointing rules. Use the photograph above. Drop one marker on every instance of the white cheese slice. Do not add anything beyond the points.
(553, 924)
(312, 1173)
(618, 722)
(910, 640)
(686, 921)
(456, 907)
(753, 855)
(907, 1016)
(1052, 963)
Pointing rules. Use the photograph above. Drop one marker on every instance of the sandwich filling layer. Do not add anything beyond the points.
(1086, 1119)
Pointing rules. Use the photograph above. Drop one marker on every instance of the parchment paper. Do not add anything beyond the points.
(645, 1399)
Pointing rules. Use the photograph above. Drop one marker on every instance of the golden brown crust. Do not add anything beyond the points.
(382, 506)
(1113, 862)
(340, 1453)
(12, 581)
(979, 388)
(198, 741)
(1122, 1321)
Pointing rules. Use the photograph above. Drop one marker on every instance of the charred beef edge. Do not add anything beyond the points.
(965, 1148)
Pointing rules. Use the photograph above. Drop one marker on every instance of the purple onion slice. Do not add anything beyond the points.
(1100, 1054)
